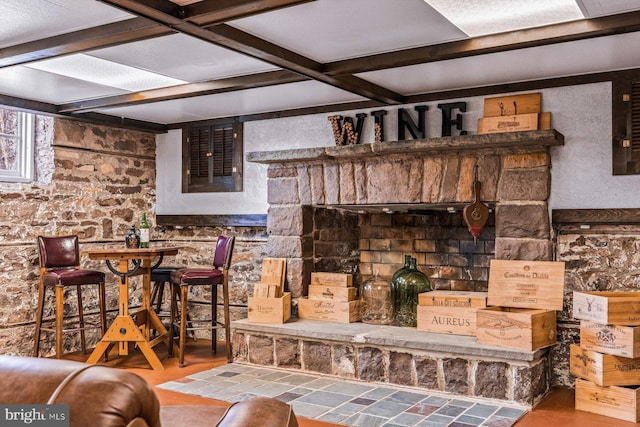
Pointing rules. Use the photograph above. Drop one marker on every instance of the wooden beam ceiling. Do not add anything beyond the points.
(247, 44)
(205, 20)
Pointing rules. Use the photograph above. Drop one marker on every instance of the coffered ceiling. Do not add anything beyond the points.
(155, 64)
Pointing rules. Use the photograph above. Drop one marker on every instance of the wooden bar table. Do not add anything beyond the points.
(125, 329)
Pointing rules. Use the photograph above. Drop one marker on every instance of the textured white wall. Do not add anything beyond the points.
(581, 169)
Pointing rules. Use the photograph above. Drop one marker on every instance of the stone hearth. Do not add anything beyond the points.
(401, 356)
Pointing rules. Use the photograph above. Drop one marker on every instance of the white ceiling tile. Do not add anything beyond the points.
(183, 57)
(580, 57)
(482, 17)
(107, 73)
(22, 21)
(251, 101)
(595, 8)
(329, 30)
(28, 83)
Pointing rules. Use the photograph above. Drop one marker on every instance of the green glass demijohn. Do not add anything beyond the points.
(405, 288)
(405, 267)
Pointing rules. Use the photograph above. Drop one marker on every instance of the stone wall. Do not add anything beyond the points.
(597, 258)
(95, 181)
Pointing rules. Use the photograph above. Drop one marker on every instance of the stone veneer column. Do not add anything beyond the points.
(290, 226)
(523, 228)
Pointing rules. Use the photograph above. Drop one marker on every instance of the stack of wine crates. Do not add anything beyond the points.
(513, 113)
(523, 299)
(607, 361)
(518, 311)
(332, 297)
(269, 303)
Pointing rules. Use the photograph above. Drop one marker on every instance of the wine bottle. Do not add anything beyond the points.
(144, 231)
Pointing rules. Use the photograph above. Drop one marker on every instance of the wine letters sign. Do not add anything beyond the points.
(347, 130)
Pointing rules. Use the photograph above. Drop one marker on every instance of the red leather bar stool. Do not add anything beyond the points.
(60, 269)
(184, 279)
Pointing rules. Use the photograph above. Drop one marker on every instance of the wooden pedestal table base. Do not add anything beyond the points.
(124, 329)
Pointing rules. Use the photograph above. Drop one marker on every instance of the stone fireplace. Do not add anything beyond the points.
(319, 196)
(359, 209)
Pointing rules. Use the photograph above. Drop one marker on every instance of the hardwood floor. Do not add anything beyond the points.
(557, 409)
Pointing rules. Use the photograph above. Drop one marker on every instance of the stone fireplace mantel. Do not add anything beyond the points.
(508, 142)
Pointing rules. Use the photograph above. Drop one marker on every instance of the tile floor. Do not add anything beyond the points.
(348, 403)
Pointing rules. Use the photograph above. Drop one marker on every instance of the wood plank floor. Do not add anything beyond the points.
(557, 409)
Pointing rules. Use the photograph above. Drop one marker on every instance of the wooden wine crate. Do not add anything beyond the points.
(526, 284)
(544, 121)
(334, 311)
(449, 312)
(453, 299)
(613, 401)
(269, 310)
(513, 104)
(522, 328)
(336, 293)
(447, 320)
(264, 290)
(273, 271)
(619, 308)
(603, 369)
(610, 339)
(332, 279)
(513, 123)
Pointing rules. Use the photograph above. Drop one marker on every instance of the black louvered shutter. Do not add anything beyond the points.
(214, 158)
(626, 126)
(222, 151)
(198, 152)
(635, 123)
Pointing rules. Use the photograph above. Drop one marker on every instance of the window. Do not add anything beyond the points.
(16, 146)
(212, 158)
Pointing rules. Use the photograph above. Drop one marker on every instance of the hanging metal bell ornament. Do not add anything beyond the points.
(476, 214)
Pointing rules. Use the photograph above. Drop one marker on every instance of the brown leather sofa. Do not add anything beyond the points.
(109, 397)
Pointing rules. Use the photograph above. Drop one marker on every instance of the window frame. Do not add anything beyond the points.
(25, 150)
(214, 184)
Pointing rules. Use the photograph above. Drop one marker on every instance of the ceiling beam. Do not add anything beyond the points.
(116, 33)
(247, 44)
(209, 12)
(211, 87)
(135, 29)
(38, 107)
(503, 42)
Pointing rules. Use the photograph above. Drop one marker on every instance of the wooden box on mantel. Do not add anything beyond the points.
(611, 339)
(619, 308)
(333, 311)
(521, 328)
(603, 369)
(449, 312)
(526, 284)
(513, 123)
(613, 401)
(269, 310)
